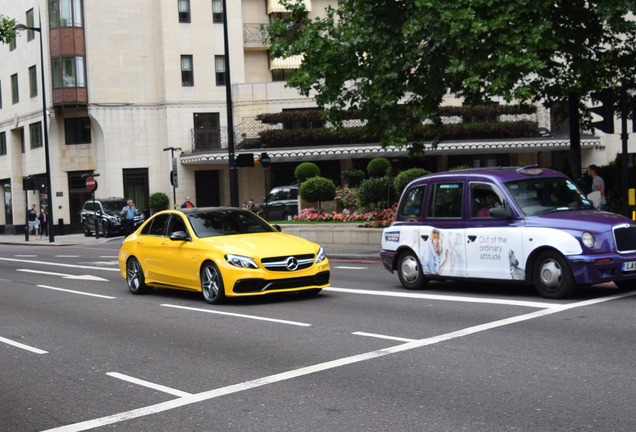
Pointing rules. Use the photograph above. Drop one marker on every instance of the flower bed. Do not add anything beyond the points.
(372, 219)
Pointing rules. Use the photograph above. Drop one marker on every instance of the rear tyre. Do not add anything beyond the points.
(552, 277)
(87, 230)
(212, 284)
(135, 277)
(410, 273)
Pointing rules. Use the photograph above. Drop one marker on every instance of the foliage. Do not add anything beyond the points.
(377, 190)
(353, 177)
(395, 61)
(349, 198)
(158, 201)
(373, 219)
(407, 176)
(318, 189)
(7, 34)
(458, 167)
(379, 167)
(306, 170)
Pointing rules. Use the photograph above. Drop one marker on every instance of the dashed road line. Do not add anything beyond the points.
(254, 317)
(149, 384)
(76, 292)
(22, 346)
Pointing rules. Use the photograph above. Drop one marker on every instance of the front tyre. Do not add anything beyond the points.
(212, 284)
(135, 277)
(552, 277)
(87, 230)
(410, 273)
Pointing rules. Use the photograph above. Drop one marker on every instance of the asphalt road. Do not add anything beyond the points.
(79, 352)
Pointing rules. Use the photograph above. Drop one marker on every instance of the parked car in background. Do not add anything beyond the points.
(526, 225)
(281, 203)
(108, 214)
(221, 252)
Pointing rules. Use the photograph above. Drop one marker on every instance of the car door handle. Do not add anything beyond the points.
(165, 243)
(424, 237)
(472, 238)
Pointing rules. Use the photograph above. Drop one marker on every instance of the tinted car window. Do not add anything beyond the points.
(177, 224)
(446, 200)
(113, 206)
(483, 197)
(159, 224)
(413, 200)
(227, 222)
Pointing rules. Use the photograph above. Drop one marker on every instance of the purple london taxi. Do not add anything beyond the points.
(527, 224)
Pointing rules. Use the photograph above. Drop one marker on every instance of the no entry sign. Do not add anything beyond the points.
(91, 184)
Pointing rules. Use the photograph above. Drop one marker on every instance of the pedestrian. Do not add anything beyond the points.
(44, 220)
(128, 213)
(253, 207)
(32, 216)
(187, 203)
(598, 184)
(244, 207)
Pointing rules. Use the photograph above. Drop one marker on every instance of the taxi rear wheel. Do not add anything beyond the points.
(552, 276)
(135, 277)
(212, 284)
(410, 272)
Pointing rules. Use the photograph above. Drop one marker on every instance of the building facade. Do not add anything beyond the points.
(129, 85)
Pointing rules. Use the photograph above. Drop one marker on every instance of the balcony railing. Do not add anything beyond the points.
(254, 36)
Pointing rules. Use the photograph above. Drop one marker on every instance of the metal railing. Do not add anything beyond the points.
(254, 36)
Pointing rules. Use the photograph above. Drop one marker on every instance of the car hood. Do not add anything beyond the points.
(261, 244)
(589, 220)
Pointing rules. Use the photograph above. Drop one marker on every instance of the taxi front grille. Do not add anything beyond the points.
(625, 238)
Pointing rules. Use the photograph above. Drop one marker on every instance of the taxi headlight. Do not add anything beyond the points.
(320, 256)
(588, 239)
(241, 261)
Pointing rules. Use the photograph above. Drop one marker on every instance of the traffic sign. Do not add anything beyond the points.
(91, 184)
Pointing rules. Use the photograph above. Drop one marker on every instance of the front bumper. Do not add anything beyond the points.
(595, 269)
(247, 286)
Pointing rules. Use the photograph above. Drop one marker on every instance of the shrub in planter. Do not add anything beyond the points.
(406, 177)
(318, 189)
(379, 167)
(377, 189)
(306, 170)
(353, 177)
(158, 201)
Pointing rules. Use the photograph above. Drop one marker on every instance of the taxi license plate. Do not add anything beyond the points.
(629, 266)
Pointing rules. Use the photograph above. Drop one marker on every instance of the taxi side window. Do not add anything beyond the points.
(159, 224)
(483, 197)
(446, 200)
(413, 199)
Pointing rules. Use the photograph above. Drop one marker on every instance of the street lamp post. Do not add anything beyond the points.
(173, 174)
(45, 126)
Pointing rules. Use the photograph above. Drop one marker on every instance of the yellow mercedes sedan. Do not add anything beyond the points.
(221, 252)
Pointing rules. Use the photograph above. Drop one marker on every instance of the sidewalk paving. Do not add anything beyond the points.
(341, 251)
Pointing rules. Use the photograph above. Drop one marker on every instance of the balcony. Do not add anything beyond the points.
(254, 37)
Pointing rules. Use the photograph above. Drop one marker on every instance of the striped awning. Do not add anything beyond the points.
(274, 6)
(291, 62)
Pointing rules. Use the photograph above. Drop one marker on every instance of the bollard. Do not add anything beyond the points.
(26, 232)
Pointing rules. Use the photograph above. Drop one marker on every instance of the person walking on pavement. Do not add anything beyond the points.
(33, 220)
(128, 213)
(187, 203)
(598, 184)
(44, 220)
(253, 207)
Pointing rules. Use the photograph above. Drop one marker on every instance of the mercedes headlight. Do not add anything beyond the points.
(320, 256)
(588, 239)
(241, 261)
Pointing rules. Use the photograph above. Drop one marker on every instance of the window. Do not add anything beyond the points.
(29, 23)
(14, 89)
(13, 44)
(3, 143)
(217, 11)
(446, 201)
(0, 94)
(33, 81)
(68, 72)
(77, 130)
(56, 71)
(65, 13)
(483, 197)
(184, 11)
(35, 134)
(413, 200)
(219, 67)
(207, 131)
(187, 74)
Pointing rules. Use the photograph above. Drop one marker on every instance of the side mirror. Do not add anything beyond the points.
(179, 236)
(501, 212)
(278, 228)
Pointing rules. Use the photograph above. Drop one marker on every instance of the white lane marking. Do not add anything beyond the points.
(58, 264)
(148, 384)
(375, 335)
(76, 292)
(22, 346)
(100, 262)
(351, 268)
(67, 256)
(259, 382)
(65, 276)
(444, 297)
(109, 256)
(239, 315)
(24, 256)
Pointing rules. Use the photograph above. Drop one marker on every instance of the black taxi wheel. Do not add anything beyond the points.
(552, 277)
(409, 271)
(212, 284)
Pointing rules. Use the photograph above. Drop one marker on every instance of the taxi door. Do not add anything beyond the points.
(493, 245)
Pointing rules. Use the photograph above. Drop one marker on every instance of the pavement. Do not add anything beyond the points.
(363, 250)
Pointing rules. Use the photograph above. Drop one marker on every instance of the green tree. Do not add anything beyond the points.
(406, 177)
(378, 190)
(158, 201)
(396, 60)
(379, 167)
(318, 189)
(7, 34)
(306, 170)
